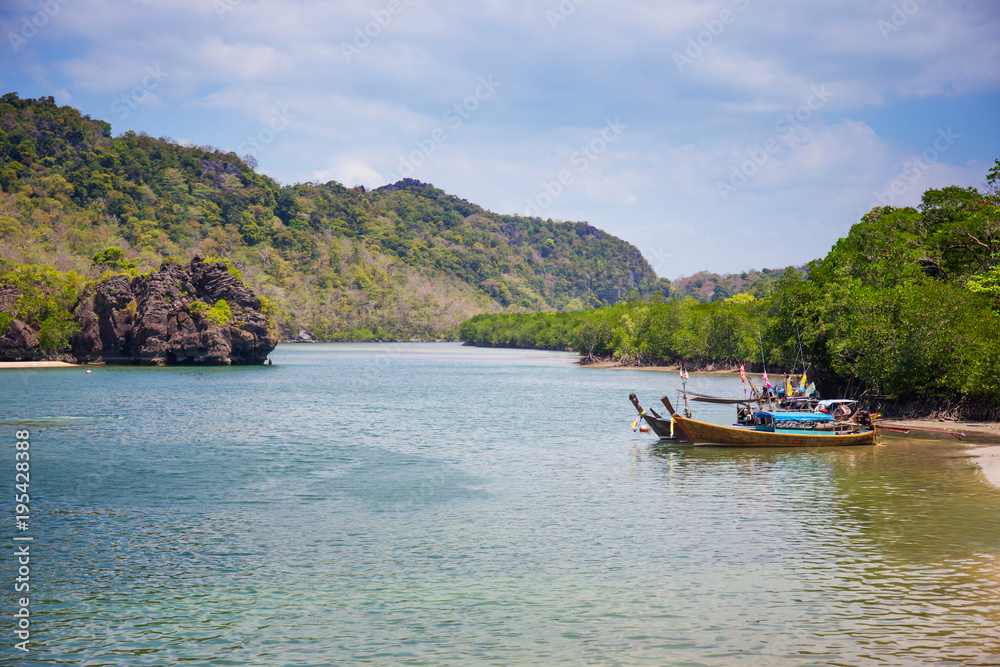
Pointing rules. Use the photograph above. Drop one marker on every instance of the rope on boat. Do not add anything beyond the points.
(904, 430)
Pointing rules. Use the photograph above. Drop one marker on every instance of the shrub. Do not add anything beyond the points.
(113, 257)
(220, 313)
(55, 332)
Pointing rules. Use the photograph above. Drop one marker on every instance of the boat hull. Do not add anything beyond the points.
(710, 434)
(658, 424)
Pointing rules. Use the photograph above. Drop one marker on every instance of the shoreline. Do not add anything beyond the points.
(670, 368)
(37, 364)
(988, 460)
(991, 430)
(984, 437)
(985, 432)
(295, 341)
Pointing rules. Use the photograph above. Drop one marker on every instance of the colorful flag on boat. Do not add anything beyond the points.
(802, 382)
(788, 387)
(635, 424)
(767, 383)
(743, 374)
(684, 375)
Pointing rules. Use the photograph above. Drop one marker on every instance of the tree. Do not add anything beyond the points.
(113, 257)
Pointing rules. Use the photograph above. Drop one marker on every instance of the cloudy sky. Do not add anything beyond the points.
(719, 134)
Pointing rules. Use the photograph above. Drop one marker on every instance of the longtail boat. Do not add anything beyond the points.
(771, 430)
(661, 426)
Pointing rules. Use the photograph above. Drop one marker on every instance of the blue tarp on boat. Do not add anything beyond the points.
(796, 416)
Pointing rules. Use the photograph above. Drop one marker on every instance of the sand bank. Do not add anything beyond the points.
(35, 364)
(974, 431)
(988, 459)
(672, 368)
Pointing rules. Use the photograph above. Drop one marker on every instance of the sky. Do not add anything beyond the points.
(717, 135)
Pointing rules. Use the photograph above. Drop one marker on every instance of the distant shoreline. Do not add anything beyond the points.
(669, 368)
(988, 458)
(295, 341)
(36, 364)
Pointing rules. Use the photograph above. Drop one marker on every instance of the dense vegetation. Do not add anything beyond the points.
(400, 261)
(907, 305)
(705, 286)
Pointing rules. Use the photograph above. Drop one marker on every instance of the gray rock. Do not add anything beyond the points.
(149, 320)
(19, 343)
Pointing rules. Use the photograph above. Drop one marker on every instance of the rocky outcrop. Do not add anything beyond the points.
(19, 343)
(173, 316)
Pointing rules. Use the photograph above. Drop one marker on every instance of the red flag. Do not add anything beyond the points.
(743, 374)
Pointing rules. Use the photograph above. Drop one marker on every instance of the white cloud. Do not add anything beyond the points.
(228, 61)
(354, 119)
(349, 172)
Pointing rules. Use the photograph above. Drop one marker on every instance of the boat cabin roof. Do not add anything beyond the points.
(836, 401)
(796, 416)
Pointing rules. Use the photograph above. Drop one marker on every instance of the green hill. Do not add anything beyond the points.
(904, 311)
(403, 260)
(705, 286)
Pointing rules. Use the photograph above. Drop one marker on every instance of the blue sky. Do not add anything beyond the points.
(720, 135)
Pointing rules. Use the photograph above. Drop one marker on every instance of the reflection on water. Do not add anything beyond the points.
(895, 545)
(432, 504)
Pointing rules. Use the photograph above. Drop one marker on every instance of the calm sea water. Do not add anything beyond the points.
(429, 504)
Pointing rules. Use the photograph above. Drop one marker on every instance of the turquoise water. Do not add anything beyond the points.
(430, 504)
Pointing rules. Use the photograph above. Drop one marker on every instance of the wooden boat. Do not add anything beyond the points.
(766, 435)
(659, 425)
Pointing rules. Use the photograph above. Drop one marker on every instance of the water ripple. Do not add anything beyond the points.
(427, 505)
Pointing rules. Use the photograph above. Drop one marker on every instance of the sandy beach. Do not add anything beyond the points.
(35, 364)
(672, 368)
(981, 433)
(986, 432)
(988, 459)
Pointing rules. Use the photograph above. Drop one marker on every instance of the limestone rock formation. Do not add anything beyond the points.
(199, 314)
(19, 343)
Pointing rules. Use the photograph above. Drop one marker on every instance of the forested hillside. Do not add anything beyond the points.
(907, 306)
(705, 286)
(400, 261)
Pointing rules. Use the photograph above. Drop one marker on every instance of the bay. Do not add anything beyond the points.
(432, 504)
